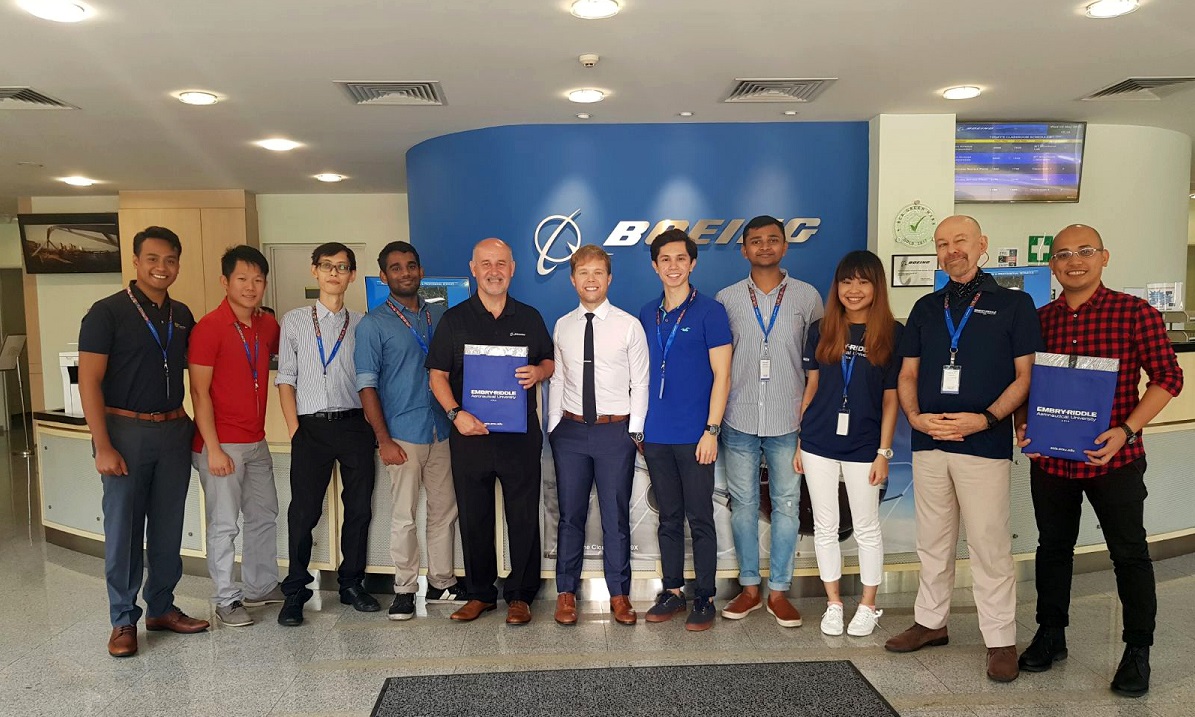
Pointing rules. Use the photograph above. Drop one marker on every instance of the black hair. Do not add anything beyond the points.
(243, 252)
(396, 246)
(669, 236)
(763, 220)
(161, 233)
(333, 248)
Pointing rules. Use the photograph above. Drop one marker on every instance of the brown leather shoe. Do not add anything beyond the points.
(123, 642)
(472, 610)
(176, 621)
(566, 609)
(780, 608)
(518, 613)
(624, 612)
(1002, 664)
(917, 637)
(742, 605)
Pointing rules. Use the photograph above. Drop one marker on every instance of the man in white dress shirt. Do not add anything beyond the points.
(596, 408)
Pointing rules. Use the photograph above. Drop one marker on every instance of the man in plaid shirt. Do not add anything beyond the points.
(1090, 319)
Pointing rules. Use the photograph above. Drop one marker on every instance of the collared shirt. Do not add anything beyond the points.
(1112, 324)
(469, 322)
(299, 362)
(390, 359)
(135, 378)
(768, 408)
(1002, 328)
(620, 366)
(239, 407)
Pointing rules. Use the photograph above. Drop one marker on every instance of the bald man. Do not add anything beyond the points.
(492, 317)
(1090, 319)
(967, 353)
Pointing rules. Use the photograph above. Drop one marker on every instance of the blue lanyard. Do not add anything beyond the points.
(848, 369)
(955, 333)
(319, 339)
(767, 330)
(427, 314)
(158, 337)
(252, 358)
(666, 347)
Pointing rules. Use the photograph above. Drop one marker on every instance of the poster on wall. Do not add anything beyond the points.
(70, 243)
(448, 291)
(913, 269)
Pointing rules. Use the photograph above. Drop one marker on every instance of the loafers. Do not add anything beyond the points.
(624, 613)
(742, 605)
(123, 641)
(566, 609)
(780, 608)
(1048, 647)
(917, 637)
(472, 610)
(518, 613)
(1132, 677)
(1002, 664)
(176, 621)
(361, 601)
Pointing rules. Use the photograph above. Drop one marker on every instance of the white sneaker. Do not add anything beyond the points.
(864, 622)
(832, 620)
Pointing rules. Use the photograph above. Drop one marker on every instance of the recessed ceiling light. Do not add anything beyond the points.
(330, 177)
(586, 96)
(790, 113)
(685, 114)
(278, 144)
(1104, 9)
(197, 97)
(586, 115)
(965, 92)
(78, 181)
(595, 9)
(56, 10)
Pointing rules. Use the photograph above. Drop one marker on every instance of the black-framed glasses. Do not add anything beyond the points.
(326, 267)
(1086, 252)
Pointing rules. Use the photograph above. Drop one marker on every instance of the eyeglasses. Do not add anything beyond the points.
(1086, 252)
(326, 267)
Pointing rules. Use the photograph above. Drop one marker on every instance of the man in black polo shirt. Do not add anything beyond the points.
(492, 317)
(132, 355)
(968, 352)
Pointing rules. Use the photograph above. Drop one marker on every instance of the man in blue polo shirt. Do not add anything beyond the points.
(967, 354)
(411, 428)
(690, 343)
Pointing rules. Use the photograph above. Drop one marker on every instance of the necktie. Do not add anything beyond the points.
(588, 384)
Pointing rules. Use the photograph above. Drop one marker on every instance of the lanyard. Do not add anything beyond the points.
(427, 314)
(319, 338)
(158, 337)
(848, 369)
(252, 358)
(767, 330)
(955, 333)
(666, 347)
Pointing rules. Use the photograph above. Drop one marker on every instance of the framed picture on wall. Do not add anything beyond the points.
(70, 243)
(913, 269)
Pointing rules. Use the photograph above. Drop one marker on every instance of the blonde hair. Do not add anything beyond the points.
(586, 253)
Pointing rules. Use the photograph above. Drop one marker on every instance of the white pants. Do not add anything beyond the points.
(821, 480)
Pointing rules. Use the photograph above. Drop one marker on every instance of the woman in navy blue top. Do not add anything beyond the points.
(848, 418)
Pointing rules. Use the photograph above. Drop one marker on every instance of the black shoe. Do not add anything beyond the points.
(1132, 677)
(702, 617)
(291, 614)
(403, 607)
(667, 604)
(1048, 647)
(361, 601)
(451, 594)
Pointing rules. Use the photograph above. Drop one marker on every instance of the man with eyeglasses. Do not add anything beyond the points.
(1090, 319)
(317, 386)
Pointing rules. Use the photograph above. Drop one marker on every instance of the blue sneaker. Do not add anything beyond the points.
(667, 604)
(702, 617)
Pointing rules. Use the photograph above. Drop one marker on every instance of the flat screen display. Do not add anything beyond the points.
(1018, 161)
(1033, 280)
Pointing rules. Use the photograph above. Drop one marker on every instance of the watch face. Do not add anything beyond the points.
(914, 225)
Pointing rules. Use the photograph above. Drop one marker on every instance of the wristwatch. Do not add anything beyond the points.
(452, 413)
(713, 429)
(991, 418)
(885, 452)
(637, 437)
(1130, 436)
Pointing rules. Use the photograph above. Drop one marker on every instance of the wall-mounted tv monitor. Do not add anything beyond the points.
(70, 243)
(1018, 161)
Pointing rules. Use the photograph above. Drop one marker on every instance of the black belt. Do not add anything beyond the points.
(333, 415)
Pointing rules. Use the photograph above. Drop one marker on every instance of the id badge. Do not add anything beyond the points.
(951, 377)
(765, 369)
(844, 422)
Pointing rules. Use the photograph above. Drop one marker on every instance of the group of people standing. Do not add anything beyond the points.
(763, 369)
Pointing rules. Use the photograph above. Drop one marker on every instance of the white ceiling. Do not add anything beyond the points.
(511, 61)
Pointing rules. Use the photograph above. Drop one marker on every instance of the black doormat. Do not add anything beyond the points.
(793, 689)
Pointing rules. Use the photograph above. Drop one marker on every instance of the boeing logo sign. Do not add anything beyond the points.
(630, 232)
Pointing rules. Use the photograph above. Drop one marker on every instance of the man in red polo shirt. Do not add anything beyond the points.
(229, 361)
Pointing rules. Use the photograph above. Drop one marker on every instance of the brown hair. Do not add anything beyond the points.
(880, 335)
(586, 253)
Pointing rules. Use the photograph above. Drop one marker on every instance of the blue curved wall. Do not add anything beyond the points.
(505, 181)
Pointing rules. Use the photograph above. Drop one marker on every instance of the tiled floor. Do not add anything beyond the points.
(53, 628)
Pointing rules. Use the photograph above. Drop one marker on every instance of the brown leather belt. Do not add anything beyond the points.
(600, 419)
(153, 417)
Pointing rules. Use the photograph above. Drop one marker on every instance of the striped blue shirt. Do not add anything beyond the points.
(299, 360)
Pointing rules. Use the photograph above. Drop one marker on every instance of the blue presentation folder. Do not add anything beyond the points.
(1070, 404)
(491, 391)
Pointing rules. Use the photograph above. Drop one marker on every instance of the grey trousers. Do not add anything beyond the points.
(250, 491)
(145, 508)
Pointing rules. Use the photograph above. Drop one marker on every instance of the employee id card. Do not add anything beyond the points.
(844, 422)
(765, 369)
(951, 377)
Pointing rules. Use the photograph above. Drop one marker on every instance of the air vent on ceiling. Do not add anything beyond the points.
(25, 98)
(1141, 88)
(419, 94)
(778, 90)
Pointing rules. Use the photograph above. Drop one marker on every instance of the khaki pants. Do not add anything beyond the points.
(945, 487)
(429, 465)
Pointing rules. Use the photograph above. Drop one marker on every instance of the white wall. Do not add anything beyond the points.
(372, 219)
(10, 246)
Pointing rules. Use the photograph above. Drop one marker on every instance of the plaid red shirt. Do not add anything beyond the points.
(1112, 324)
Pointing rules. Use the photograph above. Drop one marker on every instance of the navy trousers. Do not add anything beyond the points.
(684, 490)
(584, 455)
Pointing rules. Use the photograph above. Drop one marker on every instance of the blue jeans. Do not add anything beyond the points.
(741, 452)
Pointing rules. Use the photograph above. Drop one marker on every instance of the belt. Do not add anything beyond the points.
(154, 417)
(333, 415)
(600, 419)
